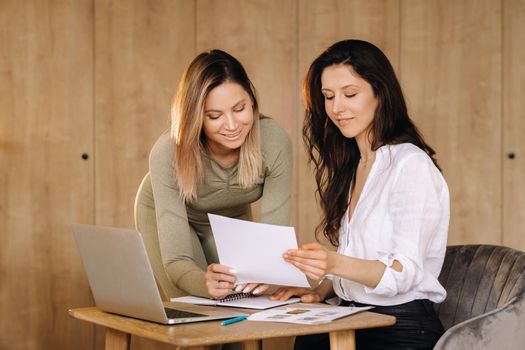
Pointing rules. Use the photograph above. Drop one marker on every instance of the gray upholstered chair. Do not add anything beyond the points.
(485, 306)
(146, 224)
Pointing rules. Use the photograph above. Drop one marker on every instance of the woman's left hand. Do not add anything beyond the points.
(313, 259)
(254, 288)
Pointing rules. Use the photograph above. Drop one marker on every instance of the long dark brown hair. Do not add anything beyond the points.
(334, 156)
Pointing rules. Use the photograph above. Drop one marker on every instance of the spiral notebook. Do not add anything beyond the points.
(243, 300)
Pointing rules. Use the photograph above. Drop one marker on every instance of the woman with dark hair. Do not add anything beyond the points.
(220, 156)
(384, 200)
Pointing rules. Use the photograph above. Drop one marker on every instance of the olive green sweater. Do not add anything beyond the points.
(185, 237)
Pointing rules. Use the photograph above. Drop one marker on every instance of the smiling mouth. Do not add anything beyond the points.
(232, 136)
(344, 121)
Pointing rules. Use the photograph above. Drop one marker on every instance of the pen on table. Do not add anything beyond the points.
(233, 320)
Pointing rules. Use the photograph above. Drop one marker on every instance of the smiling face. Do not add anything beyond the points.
(228, 118)
(349, 101)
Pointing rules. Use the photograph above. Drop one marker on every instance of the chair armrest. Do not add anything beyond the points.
(502, 328)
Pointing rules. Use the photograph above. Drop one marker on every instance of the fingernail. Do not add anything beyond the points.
(238, 288)
(256, 291)
(233, 271)
(246, 290)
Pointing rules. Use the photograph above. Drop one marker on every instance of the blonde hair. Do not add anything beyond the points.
(207, 71)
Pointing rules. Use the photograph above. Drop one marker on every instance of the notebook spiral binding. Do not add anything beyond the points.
(235, 296)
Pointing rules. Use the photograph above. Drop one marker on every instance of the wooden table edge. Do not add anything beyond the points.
(77, 313)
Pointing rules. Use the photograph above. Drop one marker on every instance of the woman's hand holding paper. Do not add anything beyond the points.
(220, 280)
(313, 259)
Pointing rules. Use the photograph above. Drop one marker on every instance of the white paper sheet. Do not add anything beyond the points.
(255, 250)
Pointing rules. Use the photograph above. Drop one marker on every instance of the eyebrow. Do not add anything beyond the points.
(219, 111)
(344, 87)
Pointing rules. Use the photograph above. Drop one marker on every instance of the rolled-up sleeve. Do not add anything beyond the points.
(415, 210)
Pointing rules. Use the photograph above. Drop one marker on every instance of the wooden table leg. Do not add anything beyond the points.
(252, 345)
(117, 340)
(342, 340)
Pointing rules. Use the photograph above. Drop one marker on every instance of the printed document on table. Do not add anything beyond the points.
(256, 250)
(306, 314)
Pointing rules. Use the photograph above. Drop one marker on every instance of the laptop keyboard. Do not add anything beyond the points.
(172, 313)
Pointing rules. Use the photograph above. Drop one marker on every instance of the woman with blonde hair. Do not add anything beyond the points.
(220, 156)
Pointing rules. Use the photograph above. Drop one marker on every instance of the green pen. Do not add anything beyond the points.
(234, 320)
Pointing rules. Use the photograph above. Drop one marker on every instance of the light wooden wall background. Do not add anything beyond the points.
(97, 77)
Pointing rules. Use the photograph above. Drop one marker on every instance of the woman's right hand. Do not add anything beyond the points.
(220, 280)
(307, 295)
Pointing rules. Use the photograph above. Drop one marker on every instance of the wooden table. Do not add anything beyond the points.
(199, 335)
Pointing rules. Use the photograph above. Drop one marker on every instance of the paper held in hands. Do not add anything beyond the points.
(256, 250)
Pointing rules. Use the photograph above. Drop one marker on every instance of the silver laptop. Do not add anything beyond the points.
(122, 280)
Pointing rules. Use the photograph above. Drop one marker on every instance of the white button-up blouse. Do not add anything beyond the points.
(402, 214)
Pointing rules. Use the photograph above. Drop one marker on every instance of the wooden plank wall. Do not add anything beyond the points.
(97, 77)
(46, 124)
(141, 49)
(513, 150)
(451, 72)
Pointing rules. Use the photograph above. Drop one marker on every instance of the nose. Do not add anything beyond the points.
(231, 122)
(337, 105)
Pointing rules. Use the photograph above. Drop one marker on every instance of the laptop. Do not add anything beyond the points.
(122, 281)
